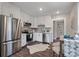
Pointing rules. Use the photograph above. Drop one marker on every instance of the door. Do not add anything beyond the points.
(54, 29)
(14, 27)
(16, 46)
(9, 48)
(9, 36)
(58, 28)
(38, 37)
(3, 50)
(23, 39)
(16, 41)
(6, 49)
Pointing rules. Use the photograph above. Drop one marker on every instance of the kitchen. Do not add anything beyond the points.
(36, 26)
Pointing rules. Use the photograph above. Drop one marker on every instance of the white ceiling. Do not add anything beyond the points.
(49, 8)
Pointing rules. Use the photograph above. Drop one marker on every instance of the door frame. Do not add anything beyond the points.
(57, 19)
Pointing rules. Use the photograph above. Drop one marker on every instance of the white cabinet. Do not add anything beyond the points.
(23, 39)
(48, 37)
(37, 37)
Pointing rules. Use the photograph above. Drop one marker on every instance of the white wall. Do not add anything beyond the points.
(68, 24)
(72, 21)
(7, 9)
(78, 17)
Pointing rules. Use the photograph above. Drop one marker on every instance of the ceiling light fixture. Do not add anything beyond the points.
(41, 9)
(57, 12)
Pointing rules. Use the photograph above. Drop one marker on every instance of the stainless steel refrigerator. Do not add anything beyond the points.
(8, 43)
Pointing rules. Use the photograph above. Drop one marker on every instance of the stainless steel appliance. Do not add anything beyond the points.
(8, 27)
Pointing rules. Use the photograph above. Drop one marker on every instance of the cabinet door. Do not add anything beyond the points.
(34, 36)
(23, 40)
(39, 37)
(49, 37)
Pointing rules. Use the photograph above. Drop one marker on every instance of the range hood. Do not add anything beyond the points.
(27, 24)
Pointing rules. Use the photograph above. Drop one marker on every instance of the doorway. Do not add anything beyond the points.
(58, 28)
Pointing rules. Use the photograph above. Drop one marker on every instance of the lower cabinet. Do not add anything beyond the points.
(23, 39)
(38, 37)
(48, 37)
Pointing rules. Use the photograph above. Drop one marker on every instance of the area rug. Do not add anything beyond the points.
(56, 47)
(37, 47)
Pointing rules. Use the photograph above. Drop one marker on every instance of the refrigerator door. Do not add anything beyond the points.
(5, 33)
(5, 28)
(2, 28)
(16, 45)
(3, 49)
(8, 26)
(14, 27)
(9, 29)
(6, 49)
(9, 48)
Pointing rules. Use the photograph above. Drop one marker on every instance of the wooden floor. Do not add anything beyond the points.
(25, 53)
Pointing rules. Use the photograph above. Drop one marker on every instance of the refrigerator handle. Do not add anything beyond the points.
(11, 42)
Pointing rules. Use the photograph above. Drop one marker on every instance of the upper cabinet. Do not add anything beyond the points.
(43, 20)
